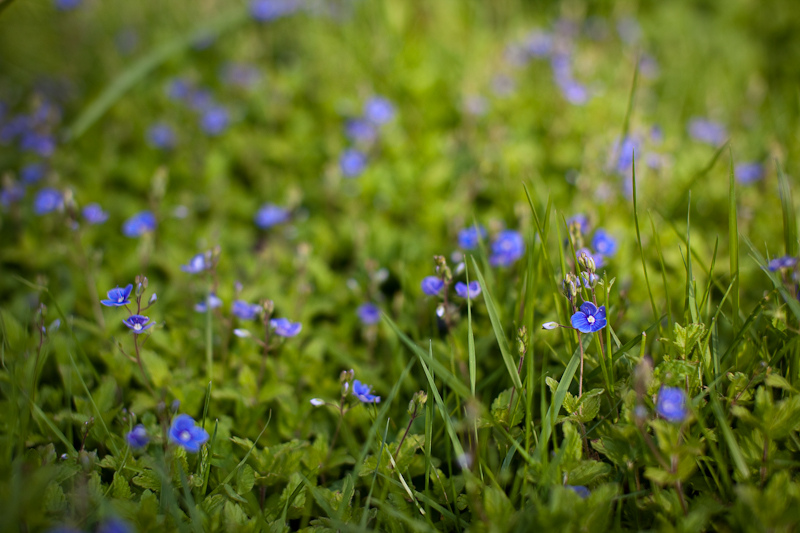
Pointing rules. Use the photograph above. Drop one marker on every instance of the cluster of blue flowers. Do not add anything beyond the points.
(268, 10)
(363, 132)
(213, 117)
(32, 132)
(361, 391)
(507, 247)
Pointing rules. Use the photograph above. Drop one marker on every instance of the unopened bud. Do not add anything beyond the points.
(153, 299)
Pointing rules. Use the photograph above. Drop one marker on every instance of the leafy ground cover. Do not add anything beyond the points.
(399, 266)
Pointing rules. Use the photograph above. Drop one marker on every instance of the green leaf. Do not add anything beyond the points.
(120, 488)
(245, 480)
(232, 493)
(53, 499)
(148, 479)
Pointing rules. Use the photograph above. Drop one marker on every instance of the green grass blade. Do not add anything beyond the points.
(97, 412)
(727, 433)
(243, 461)
(498, 329)
(639, 239)
(442, 409)
(790, 300)
(365, 512)
(789, 215)
(473, 365)
(733, 244)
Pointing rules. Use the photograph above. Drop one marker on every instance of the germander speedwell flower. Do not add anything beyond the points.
(138, 323)
(589, 318)
(118, 297)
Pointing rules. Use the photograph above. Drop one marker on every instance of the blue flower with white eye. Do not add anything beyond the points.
(270, 215)
(707, 131)
(471, 291)
(244, 310)
(672, 404)
(284, 327)
(748, 172)
(369, 314)
(32, 173)
(468, 238)
(267, 10)
(161, 135)
(378, 110)
(580, 490)
(589, 318)
(352, 162)
(214, 120)
(507, 248)
(47, 201)
(432, 286)
(212, 299)
(186, 434)
(196, 264)
(118, 297)
(604, 244)
(138, 323)
(139, 224)
(137, 438)
(780, 263)
(361, 131)
(364, 393)
(94, 214)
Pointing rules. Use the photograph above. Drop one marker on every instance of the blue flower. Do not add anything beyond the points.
(47, 200)
(360, 130)
(468, 238)
(94, 214)
(267, 10)
(239, 75)
(186, 434)
(748, 172)
(779, 263)
(378, 110)
(179, 89)
(589, 318)
(507, 248)
(139, 224)
(39, 143)
(603, 243)
(244, 310)
(364, 393)
(161, 135)
(118, 297)
(503, 85)
(137, 438)
(270, 215)
(66, 5)
(369, 314)
(32, 173)
(538, 44)
(212, 299)
(707, 131)
(115, 525)
(199, 100)
(582, 221)
(196, 264)
(214, 120)
(472, 291)
(625, 152)
(352, 163)
(432, 286)
(11, 194)
(138, 323)
(580, 490)
(574, 92)
(672, 404)
(285, 328)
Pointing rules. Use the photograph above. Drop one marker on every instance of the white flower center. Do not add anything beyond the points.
(120, 299)
(137, 327)
(590, 319)
(185, 436)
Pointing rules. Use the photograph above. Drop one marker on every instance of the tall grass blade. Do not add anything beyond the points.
(789, 215)
(733, 244)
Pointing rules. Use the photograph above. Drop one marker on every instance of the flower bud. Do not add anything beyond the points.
(316, 402)
(550, 325)
(153, 299)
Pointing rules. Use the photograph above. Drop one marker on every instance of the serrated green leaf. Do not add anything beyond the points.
(120, 488)
(245, 480)
(148, 479)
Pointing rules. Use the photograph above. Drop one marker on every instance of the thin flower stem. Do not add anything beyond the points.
(209, 336)
(265, 345)
(408, 428)
(141, 366)
(513, 389)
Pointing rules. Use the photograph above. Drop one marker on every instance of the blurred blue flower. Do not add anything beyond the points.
(239, 75)
(625, 152)
(778, 263)
(179, 89)
(582, 221)
(245, 310)
(39, 143)
(212, 299)
(137, 438)
(369, 314)
(94, 214)
(507, 248)
(364, 393)
(476, 105)
(47, 200)
(580, 490)
(199, 100)
(604, 244)
(138, 323)
(589, 318)
(378, 110)
(503, 85)
(127, 40)
(672, 404)
(115, 525)
(161, 135)
(473, 290)
(118, 297)
(574, 92)
(267, 10)
(139, 224)
(352, 162)
(196, 264)
(32, 173)
(656, 134)
(270, 215)
(14, 128)
(285, 328)
(629, 30)
(538, 43)
(204, 41)
(748, 172)
(648, 66)
(360, 131)
(66, 5)
(432, 286)
(214, 120)
(186, 434)
(11, 193)
(707, 131)
(468, 238)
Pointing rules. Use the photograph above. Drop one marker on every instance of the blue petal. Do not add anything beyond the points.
(199, 434)
(599, 323)
(191, 446)
(588, 308)
(183, 422)
(580, 323)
